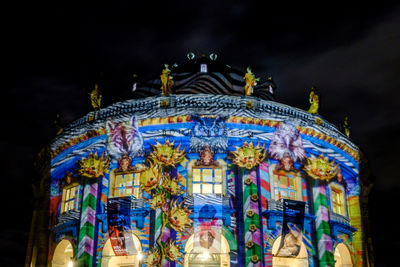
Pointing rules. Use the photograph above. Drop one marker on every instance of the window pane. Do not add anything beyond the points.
(137, 178)
(284, 194)
(276, 178)
(284, 182)
(207, 175)
(276, 194)
(196, 175)
(218, 189)
(207, 189)
(196, 189)
(218, 175)
(291, 182)
(292, 195)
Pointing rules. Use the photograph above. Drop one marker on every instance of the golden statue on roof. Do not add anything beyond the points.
(95, 97)
(314, 101)
(166, 81)
(251, 81)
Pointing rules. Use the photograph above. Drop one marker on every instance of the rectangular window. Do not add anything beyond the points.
(285, 185)
(207, 181)
(70, 198)
(337, 198)
(127, 184)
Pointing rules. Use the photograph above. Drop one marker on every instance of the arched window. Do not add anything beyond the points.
(209, 179)
(125, 183)
(63, 254)
(110, 260)
(217, 255)
(285, 184)
(70, 197)
(338, 200)
(342, 256)
(299, 260)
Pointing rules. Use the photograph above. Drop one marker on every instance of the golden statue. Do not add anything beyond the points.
(314, 101)
(251, 81)
(346, 126)
(166, 81)
(95, 97)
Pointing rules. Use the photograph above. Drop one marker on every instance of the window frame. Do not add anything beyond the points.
(135, 183)
(335, 187)
(298, 188)
(75, 200)
(221, 165)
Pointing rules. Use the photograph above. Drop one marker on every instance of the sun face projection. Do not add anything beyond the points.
(93, 166)
(166, 154)
(321, 168)
(249, 156)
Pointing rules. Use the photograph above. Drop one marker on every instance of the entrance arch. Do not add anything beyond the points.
(215, 256)
(342, 256)
(63, 254)
(110, 260)
(301, 260)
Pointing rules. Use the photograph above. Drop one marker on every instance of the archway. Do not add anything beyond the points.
(215, 256)
(110, 260)
(301, 260)
(342, 256)
(63, 254)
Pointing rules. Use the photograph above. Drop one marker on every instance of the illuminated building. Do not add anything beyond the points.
(204, 168)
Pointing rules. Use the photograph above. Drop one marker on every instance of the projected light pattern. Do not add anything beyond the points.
(211, 174)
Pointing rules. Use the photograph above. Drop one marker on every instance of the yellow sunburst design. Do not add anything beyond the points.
(166, 154)
(153, 258)
(172, 251)
(150, 178)
(321, 168)
(93, 166)
(178, 217)
(249, 156)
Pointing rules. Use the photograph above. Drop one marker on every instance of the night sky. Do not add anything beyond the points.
(55, 52)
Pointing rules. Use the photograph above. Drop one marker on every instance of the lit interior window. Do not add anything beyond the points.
(337, 200)
(207, 181)
(285, 185)
(70, 198)
(127, 184)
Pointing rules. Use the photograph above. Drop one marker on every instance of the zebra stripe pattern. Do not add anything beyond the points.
(215, 78)
(86, 247)
(323, 229)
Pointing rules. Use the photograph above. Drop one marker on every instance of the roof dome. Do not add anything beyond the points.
(207, 76)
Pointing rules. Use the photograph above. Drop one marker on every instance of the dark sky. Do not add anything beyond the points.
(55, 52)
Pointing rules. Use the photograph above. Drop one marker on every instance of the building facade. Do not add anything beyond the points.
(204, 168)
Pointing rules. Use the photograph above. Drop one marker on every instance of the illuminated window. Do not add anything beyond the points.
(70, 198)
(286, 185)
(337, 199)
(126, 184)
(207, 181)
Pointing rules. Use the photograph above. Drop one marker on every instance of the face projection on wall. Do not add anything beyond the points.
(125, 138)
(287, 146)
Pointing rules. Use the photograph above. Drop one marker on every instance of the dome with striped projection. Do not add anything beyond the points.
(204, 168)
